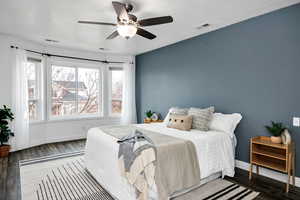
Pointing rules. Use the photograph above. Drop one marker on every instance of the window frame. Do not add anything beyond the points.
(110, 69)
(76, 65)
(39, 78)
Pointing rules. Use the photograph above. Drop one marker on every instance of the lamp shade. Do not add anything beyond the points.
(127, 30)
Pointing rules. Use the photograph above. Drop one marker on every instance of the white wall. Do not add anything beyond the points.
(46, 132)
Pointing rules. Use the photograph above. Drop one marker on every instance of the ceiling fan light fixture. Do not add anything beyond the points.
(127, 30)
(128, 24)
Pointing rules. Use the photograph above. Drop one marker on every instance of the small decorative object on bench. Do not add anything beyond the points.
(276, 130)
(279, 157)
(152, 117)
(286, 137)
(6, 116)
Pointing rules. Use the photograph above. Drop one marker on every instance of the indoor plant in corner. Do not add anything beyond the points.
(276, 130)
(6, 116)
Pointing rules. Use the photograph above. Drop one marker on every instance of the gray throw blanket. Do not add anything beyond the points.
(132, 146)
(148, 158)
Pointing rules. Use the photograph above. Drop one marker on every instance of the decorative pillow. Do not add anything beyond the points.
(225, 122)
(180, 122)
(175, 111)
(201, 117)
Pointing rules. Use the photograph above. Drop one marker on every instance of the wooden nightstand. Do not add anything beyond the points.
(148, 122)
(279, 157)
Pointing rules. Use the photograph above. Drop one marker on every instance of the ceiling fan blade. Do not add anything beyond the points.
(120, 9)
(113, 35)
(96, 23)
(145, 34)
(155, 21)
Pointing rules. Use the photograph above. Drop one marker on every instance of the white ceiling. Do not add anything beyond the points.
(57, 19)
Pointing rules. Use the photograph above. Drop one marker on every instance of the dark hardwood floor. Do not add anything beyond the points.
(9, 169)
(10, 177)
(270, 189)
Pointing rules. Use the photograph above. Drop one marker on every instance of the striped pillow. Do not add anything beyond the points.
(201, 117)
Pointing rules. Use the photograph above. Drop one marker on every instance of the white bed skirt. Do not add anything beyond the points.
(101, 160)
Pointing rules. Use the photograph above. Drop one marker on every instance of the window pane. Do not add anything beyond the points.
(31, 68)
(32, 107)
(88, 91)
(31, 78)
(117, 91)
(116, 106)
(63, 91)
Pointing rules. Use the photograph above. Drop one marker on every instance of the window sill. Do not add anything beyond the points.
(62, 120)
(115, 116)
(75, 118)
(37, 122)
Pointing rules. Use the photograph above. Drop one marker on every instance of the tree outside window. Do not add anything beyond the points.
(116, 91)
(75, 91)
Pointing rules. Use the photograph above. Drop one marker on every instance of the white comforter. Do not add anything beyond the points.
(215, 152)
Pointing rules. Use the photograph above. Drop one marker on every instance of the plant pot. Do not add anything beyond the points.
(276, 140)
(4, 150)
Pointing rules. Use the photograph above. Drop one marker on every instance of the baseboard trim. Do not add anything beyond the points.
(52, 140)
(266, 172)
(64, 139)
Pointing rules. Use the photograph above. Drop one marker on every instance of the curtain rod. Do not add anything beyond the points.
(70, 57)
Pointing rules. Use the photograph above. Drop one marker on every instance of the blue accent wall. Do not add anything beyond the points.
(252, 67)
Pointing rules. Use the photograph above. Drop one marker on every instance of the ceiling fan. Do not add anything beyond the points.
(128, 25)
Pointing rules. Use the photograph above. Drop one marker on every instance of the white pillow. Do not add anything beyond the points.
(225, 122)
(175, 111)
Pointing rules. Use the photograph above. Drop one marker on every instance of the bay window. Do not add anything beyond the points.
(73, 90)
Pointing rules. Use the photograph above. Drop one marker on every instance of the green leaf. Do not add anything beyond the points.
(6, 115)
(276, 129)
(149, 113)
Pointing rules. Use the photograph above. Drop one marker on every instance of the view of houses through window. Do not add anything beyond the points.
(90, 94)
(32, 70)
(75, 91)
(116, 91)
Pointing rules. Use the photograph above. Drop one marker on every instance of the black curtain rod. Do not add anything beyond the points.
(70, 57)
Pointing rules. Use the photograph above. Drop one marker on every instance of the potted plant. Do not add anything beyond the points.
(6, 116)
(276, 130)
(149, 114)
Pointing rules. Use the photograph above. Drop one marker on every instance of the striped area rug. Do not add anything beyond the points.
(64, 177)
(220, 189)
(61, 177)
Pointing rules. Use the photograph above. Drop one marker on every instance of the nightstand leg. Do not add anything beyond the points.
(293, 166)
(257, 170)
(250, 171)
(288, 183)
(289, 173)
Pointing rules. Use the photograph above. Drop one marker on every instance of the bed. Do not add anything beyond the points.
(215, 151)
